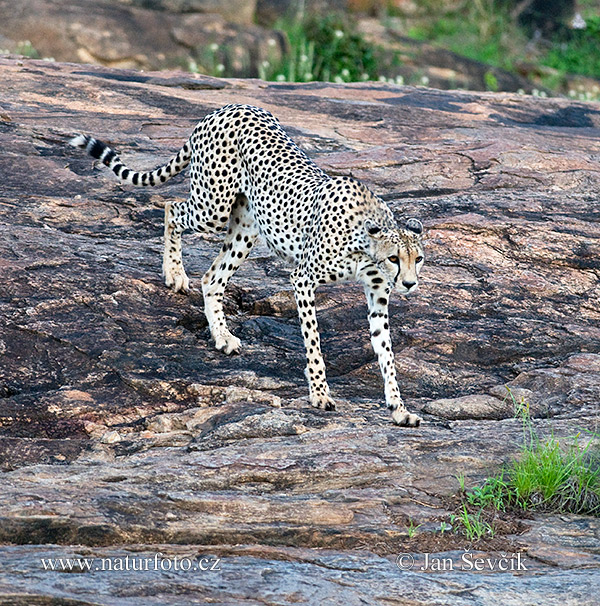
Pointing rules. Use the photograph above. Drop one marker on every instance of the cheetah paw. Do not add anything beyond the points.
(177, 280)
(228, 343)
(402, 417)
(324, 402)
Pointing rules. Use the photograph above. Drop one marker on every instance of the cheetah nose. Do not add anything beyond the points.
(408, 285)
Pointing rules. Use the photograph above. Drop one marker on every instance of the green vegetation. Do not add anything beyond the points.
(471, 524)
(412, 529)
(330, 48)
(343, 55)
(444, 527)
(491, 82)
(322, 48)
(27, 49)
(480, 30)
(486, 31)
(578, 51)
(549, 475)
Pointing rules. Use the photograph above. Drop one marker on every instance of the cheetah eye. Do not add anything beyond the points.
(418, 259)
(393, 259)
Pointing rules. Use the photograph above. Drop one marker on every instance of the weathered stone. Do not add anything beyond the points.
(502, 402)
(268, 11)
(294, 499)
(476, 406)
(111, 437)
(231, 10)
(115, 34)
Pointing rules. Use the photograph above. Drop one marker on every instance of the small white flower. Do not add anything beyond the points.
(338, 79)
(214, 47)
(400, 80)
(382, 79)
(265, 64)
(308, 76)
(345, 73)
(272, 42)
(578, 22)
(543, 93)
(192, 66)
(424, 80)
(572, 93)
(280, 78)
(364, 77)
(338, 33)
(521, 91)
(303, 58)
(220, 68)
(535, 92)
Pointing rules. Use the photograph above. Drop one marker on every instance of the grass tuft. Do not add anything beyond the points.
(471, 524)
(550, 475)
(325, 48)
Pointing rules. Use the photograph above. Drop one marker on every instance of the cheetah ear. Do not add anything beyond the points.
(373, 229)
(415, 226)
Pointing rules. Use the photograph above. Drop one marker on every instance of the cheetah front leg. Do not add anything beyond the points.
(377, 301)
(240, 238)
(304, 291)
(173, 271)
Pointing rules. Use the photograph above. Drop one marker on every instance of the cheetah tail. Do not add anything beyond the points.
(101, 151)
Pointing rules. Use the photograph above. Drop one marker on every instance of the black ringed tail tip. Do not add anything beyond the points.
(99, 150)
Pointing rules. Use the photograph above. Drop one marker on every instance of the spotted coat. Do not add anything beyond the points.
(248, 178)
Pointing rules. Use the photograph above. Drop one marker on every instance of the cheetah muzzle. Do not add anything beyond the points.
(248, 177)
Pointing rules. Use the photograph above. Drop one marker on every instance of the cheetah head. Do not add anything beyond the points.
(398, 253)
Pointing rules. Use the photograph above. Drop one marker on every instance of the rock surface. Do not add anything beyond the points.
(125, 35)
(123, 432)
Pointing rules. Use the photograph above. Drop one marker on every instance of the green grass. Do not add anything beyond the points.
(549, 475)
(482, 30)
(471, 524)
(558, 477)
(329, 48)
(577, 51)
(412, 529)
(325, 48)
(27, 49)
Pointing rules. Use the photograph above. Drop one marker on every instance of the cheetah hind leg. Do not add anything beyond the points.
(173, 271)
(238, 242)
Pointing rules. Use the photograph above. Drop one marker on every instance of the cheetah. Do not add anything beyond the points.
(249, 178)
